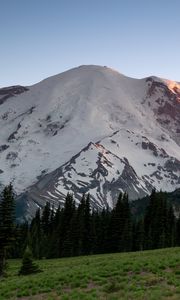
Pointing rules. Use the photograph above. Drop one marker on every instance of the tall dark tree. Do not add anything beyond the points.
(21, 240)
(65, 240)
(102, 226)
(35, 238)
(127, 225)
(150, 221)
(115, 228)
(45, 226)
(87, 230)
(171, 228)
(54, 241)
(7, 226)
(28, 266)
(120, 235)
(138, 235)
(178, 232)
(159, 222)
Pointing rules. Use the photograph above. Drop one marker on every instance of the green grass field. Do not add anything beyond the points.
(142, 275)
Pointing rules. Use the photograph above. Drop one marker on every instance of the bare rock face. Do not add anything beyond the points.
(12, 155)
(3, 148)
(11, 91)
(165, 99)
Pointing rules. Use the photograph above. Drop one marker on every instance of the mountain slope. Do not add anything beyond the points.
(96, 130)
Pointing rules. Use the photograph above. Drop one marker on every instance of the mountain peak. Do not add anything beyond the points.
(174, 87)
(132, 124)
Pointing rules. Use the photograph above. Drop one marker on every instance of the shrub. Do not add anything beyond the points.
(28, 266)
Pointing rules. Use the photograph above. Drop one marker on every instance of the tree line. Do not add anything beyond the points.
(74, 230)
(79, 230)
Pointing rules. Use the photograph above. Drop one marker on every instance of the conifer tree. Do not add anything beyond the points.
(138, 235)
(80, 225)
(7, 226)
(65, 245)
(45, 225)
(103, 219)
(55, 236)
(126, 240)
(36, 236)
(159, 222)
(121, 225)
(87, 232)
(95, 227)
(150, 214)
(115, 229)
(178, 232)
(28, 266)
(20, 241)
(171, 228)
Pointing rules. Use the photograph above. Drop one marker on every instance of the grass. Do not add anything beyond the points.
(148, 275)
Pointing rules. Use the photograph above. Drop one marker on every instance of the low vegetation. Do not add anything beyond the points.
(151, 275)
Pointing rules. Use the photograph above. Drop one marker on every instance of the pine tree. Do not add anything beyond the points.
(159, 222)
(121, 226)
(45, 226)
(151, 221)
(20, 241)
(7, 226)
(65, 245)
(126, 240)
(115, 227)
(36, 236)
(171, 228)
(138, 235)
(28, 266)
(102, 226)
(54, 241)
(87, 231)
(178, 232)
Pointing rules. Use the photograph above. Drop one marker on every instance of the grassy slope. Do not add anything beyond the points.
(142, 275)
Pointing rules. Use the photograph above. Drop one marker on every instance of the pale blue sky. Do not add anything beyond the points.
(40, 38)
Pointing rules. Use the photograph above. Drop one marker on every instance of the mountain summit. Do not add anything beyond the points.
(90, 129)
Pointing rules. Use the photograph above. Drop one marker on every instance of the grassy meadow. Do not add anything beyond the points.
(148, 275)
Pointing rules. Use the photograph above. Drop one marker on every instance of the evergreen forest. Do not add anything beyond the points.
(74, 230)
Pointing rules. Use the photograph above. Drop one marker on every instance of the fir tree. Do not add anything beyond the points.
(28, 266)
(150, 215)
(35, 239)
(7, 226)
(171, 228)
(178, 232)
(126, 241)
(87, 230)
(121, 226)
(45, 226)
(65, 245)
(159, 223)
(138, 235)
(102, 227)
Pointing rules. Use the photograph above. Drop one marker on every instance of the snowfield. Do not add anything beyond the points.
(96, 130)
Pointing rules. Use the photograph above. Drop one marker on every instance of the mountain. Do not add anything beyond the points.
(90, 129)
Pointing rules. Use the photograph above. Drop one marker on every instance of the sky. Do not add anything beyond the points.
(41, 38)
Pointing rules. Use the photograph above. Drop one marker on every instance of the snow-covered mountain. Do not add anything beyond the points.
(90, 129)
